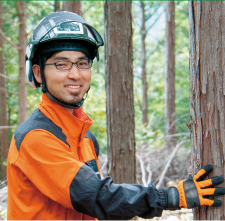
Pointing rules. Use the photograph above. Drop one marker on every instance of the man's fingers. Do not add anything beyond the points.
(210, 182)
(203, 172)
(217, 180)
(207, 192)
(208, 202)
(203, 184)
(212, 191)
(217, 203)
(219, 191)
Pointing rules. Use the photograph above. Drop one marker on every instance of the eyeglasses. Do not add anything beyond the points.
(67, 65)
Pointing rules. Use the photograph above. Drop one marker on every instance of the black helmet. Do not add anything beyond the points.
(62, 25)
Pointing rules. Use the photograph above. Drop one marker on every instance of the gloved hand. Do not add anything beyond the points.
(194, 191)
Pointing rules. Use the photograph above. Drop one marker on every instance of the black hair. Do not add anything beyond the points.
(44, 57)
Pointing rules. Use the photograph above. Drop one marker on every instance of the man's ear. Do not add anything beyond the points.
(37, 73)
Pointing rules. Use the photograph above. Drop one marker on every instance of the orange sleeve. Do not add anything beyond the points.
(49, 164)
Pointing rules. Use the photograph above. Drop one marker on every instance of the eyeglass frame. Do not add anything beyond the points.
(73, 63)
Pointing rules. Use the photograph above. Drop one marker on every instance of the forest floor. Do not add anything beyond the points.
(3, 202)
(177, 215)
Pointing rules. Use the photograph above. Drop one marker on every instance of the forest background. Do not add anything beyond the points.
(150, 158)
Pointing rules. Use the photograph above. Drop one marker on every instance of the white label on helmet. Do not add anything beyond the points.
(69, 28)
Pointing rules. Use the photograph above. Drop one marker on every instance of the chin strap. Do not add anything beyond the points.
(64, 104)
(44, 88)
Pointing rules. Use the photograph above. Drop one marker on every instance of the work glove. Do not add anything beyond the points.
(194, 191)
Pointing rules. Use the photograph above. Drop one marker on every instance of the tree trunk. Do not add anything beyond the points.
(21, 8)
(170, 127)
(57, 6)
(207, 93)
(73, 6)
(119, 91)
(4, 144)
(143, 68)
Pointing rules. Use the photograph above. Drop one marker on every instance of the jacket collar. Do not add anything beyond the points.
(74, 125)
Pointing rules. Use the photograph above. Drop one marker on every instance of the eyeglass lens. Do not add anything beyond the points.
(66, 65)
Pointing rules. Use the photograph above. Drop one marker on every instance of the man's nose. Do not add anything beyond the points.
(74, 72)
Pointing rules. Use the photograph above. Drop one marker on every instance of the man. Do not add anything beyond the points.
(53, 170)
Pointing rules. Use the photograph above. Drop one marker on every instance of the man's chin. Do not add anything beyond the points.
(72, 101)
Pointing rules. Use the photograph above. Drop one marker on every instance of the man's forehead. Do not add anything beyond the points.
(66, 55)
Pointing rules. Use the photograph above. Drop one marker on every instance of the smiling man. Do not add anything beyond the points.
(67, 75)
(53, 171)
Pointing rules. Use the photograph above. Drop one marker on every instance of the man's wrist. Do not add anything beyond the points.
(172, 198)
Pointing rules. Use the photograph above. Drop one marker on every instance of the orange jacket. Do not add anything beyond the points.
(53, 173)
(41, 167)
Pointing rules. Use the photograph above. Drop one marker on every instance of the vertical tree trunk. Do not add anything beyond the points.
(57, 6)
(170, 127)
(143, 68)
(207, 92)
(73, 6)
(3, 105)
(21, 8)
(119, 91)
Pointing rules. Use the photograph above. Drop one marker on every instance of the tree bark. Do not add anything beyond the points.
(170, 115)
(21, 8)
(4, 144)
(207, 93)
(73, 6)
(119, 91)
(143, 68)
(57, 6)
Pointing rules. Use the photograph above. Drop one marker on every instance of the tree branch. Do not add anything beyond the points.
(18, 7)
(169, 162)
(148, 168)
(8, 41)
(178, 119)
(142, 170)
(7, 127)
(104, 166)
(158, 17)
(160, 138)
(149, 16)
(9, 78)
(87, 10)
(10, 92)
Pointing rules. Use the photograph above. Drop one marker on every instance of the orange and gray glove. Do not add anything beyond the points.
(194, 191)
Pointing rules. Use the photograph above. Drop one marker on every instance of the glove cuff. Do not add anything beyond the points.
(182, 194)
(172, 198)
(162, 193)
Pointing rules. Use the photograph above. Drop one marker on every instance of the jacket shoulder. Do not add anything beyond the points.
(37, 120)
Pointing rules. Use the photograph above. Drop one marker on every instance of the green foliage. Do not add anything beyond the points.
(155, 50)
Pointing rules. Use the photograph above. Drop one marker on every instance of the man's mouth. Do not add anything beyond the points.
(71, 86)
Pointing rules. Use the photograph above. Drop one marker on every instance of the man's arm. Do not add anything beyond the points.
(56, 172)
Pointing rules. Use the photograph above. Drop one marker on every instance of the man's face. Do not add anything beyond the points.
(69, 85)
